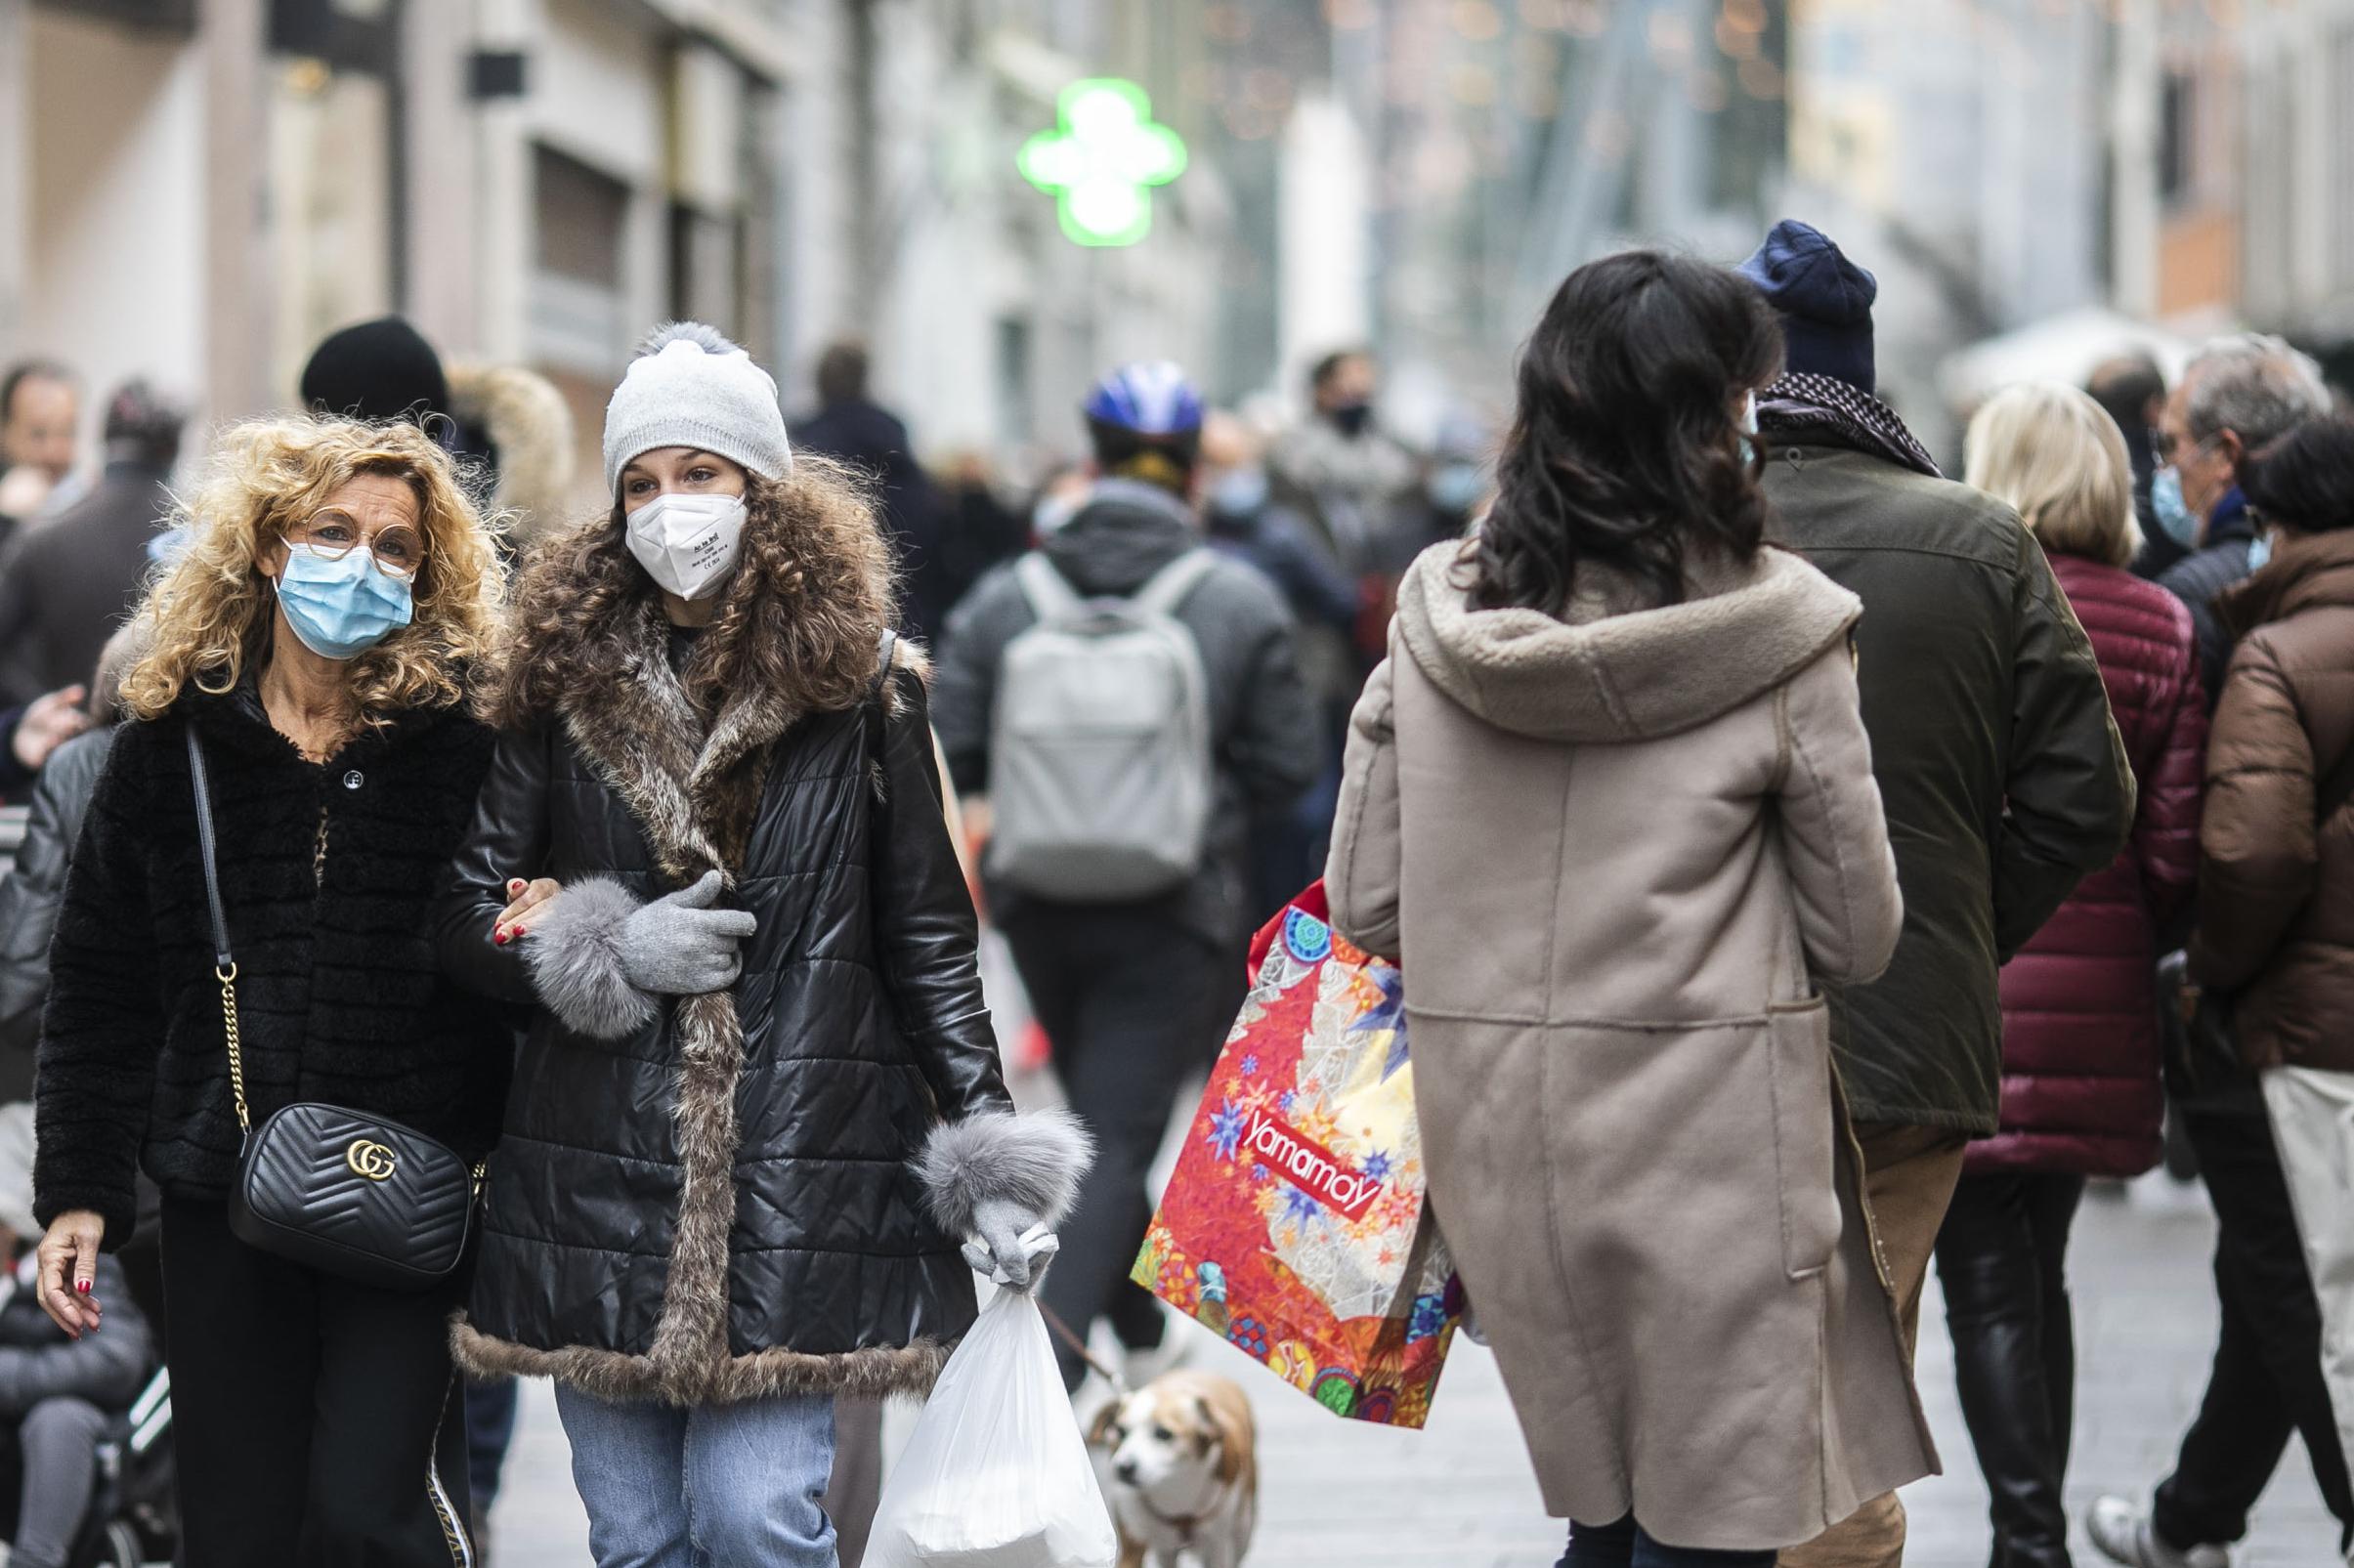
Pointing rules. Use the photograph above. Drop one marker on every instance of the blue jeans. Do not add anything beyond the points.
(1625, 1546)
(711, 1486)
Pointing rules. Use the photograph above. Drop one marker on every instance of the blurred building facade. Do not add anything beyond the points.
(1512, 140)
(199, 190)
(2237, 149)
(1960, 149)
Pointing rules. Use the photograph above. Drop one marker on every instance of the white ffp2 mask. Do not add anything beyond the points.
(688, 543)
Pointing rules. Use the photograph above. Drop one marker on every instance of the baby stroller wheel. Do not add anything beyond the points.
(122, 1546)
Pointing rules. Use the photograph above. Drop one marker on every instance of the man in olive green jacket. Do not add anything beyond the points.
(2000, 767)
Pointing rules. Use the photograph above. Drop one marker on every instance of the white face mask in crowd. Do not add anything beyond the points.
(688, 543)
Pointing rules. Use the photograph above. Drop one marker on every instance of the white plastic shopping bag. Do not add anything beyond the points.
(996, 1474)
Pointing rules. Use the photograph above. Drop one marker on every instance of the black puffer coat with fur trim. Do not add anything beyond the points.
(714, 1198)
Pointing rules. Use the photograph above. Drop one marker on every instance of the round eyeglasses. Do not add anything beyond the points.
(398, 549)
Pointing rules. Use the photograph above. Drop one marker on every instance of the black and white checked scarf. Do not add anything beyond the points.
(1830, 410)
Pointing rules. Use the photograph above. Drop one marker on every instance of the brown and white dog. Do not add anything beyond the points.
(1180, 1467)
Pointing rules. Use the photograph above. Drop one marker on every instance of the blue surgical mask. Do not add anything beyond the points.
(1239, 492)
(340, 608)
(2175, 518)
(1456, 487)
(2259, 552)
(1749, 423)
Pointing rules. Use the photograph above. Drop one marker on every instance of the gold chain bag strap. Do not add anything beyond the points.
(341, 1190)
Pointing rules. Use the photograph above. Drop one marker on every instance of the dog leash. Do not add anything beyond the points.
(1062, 1332)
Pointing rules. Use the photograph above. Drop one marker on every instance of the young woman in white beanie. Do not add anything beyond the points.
(759, 1106)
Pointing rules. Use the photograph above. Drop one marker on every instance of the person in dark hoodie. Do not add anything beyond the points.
(850, 427)
(1134, 992)
(2238, 395)
(2004, 775)
(66, 585)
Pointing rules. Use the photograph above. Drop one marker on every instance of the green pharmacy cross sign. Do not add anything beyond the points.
(1101, 162)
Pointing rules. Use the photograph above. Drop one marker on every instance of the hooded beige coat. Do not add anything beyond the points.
(1614, 853)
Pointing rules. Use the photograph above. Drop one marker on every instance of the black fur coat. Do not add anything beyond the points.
(329, 874)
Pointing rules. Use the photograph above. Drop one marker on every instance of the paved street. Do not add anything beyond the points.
(1460, 1494)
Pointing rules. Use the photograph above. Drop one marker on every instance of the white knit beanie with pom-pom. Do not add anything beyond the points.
(691, 387)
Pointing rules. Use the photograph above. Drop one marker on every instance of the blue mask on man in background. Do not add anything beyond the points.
(1239, 492)
(2174, 515)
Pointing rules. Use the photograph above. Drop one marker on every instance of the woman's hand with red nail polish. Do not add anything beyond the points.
(524, 898)
(66, 1261)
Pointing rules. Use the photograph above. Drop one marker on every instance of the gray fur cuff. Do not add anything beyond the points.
(574, 948)
(1033, 1162)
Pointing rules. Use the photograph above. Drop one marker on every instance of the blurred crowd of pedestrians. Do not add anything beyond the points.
(1811, 869)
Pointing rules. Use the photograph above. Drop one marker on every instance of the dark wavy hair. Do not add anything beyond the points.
(2304, 479)
(1624, 450)
(802, 614)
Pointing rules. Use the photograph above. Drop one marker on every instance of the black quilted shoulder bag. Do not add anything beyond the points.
(339, 1190)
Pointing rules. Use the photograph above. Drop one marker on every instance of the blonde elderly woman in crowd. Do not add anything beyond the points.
(2081, 1093)
(316, 638)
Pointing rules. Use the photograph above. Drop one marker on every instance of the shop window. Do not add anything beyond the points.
(707, 268)
(582, 213)
(2177, 126)
(581, 219)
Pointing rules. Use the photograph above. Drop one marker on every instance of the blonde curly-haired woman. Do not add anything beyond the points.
(317, 637)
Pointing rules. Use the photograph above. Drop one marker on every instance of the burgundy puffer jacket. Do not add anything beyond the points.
(2079, 1008)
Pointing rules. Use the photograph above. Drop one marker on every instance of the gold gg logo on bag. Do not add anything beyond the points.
(370, 1158)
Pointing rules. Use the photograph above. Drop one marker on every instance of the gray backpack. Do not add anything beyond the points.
(1100, 771)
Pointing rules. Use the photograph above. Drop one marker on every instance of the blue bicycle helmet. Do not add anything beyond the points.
(1150, 399)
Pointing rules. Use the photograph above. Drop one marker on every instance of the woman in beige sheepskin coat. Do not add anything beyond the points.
(1610, 802)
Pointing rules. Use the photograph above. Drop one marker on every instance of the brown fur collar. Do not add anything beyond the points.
(799, 631)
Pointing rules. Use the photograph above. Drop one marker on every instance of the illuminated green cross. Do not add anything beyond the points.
(1101, 162)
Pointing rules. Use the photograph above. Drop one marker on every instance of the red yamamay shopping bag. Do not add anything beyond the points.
(1296, 1225)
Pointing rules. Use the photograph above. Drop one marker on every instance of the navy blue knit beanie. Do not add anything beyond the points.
(1824, 300)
